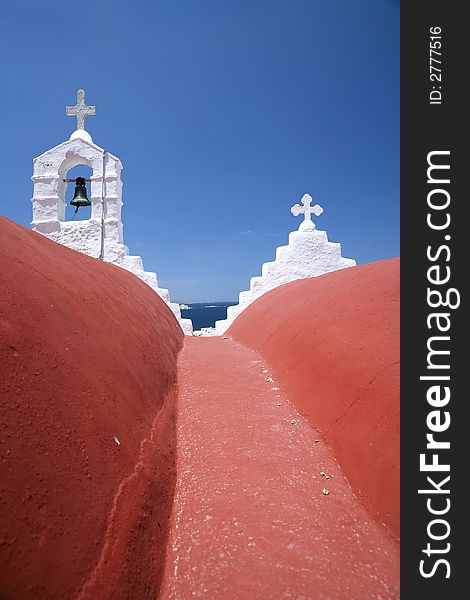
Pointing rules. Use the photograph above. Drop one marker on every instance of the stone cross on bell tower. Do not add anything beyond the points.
(308, 211)
(80, 110)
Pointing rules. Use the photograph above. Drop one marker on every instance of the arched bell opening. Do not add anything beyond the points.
(77, 194)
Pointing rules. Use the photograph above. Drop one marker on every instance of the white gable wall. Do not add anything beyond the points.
(101, 236)
(308, 254)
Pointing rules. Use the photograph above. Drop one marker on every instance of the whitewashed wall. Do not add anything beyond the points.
(100, 236)
(308, 254)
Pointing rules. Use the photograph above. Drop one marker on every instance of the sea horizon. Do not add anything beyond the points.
(205, 314)
(214, 302)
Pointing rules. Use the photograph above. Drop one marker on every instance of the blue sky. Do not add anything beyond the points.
(224, 113)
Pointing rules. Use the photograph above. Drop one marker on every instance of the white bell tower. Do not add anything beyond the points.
(101, 235)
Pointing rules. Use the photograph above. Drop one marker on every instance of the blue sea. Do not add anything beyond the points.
(205, 314)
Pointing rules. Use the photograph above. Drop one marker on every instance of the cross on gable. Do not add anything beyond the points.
(306, 209)
(80, 110)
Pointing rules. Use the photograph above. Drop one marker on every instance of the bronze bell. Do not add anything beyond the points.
(79, 197)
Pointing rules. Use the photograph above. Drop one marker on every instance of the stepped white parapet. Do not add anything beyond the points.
(205, 332)
(308, 254)
(100, 236)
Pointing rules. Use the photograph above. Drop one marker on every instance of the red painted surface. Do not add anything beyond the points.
(333, 343)
(87, 354)
(250, 519)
